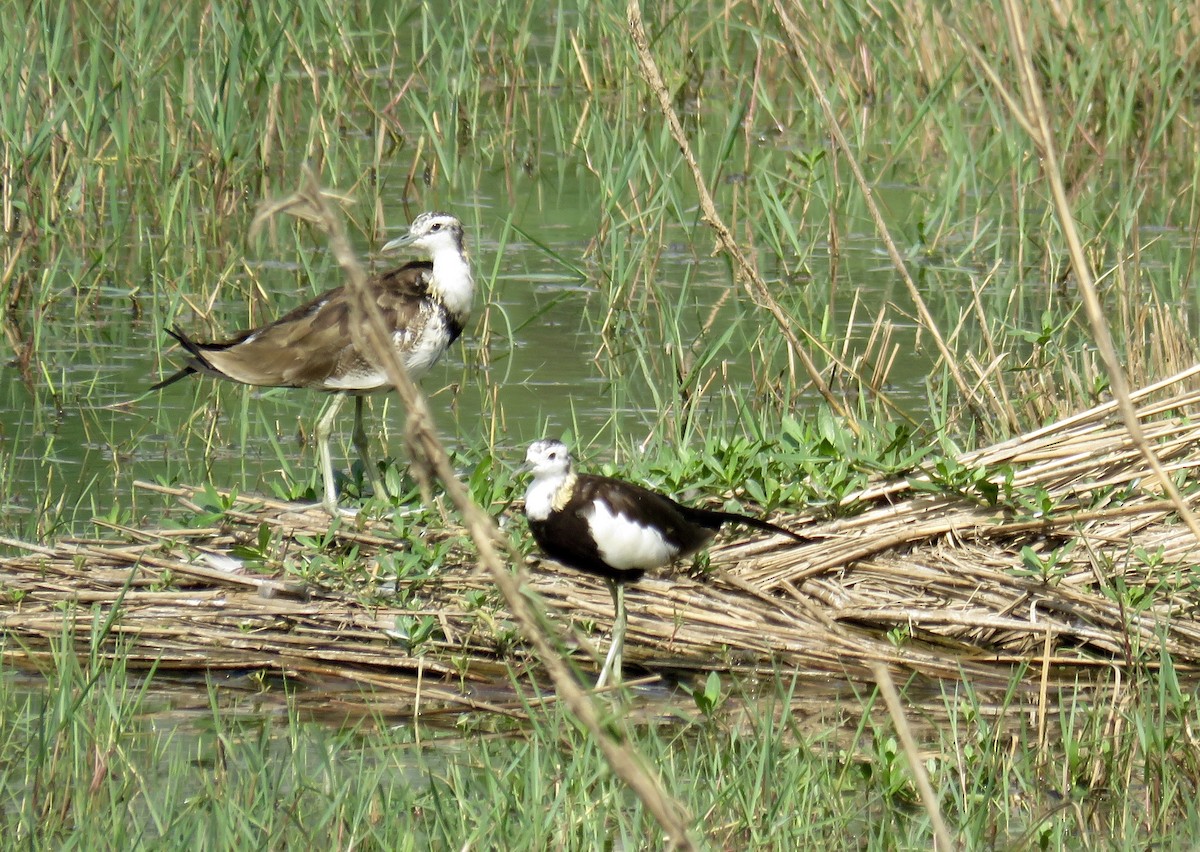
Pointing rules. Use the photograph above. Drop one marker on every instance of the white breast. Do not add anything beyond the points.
(625, 544)
(419, 347)
(539, 497)
(421, 352)
(452, 281)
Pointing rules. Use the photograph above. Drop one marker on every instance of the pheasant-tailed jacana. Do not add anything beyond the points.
(424, 302)
(615, 529)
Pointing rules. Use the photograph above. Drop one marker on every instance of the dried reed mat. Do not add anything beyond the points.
(1105, 575)
(930, 582)
(172, 599)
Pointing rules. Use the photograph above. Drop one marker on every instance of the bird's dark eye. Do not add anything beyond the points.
(436, 226)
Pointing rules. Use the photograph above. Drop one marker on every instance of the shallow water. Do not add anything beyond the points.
(88, 430)
(77, 428)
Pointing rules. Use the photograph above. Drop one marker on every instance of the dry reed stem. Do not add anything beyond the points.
(747, 271)
(928, 583)
(928, 798)
(954, 568)
(1036, 122)
(426, 452)
(835, 131)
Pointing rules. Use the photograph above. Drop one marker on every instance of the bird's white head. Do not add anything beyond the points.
(433, 233)
(548, 458)
(440, 236)
(550, 462)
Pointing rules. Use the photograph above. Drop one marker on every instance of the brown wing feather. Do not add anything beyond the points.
(312, 342)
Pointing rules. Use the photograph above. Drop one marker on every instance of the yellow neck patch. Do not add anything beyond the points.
(563, 493)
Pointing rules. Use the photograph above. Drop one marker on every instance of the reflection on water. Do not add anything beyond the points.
(533, 361)
(817, 706)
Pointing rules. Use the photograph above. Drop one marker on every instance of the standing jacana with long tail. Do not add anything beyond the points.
(425, 304)
(615, 529)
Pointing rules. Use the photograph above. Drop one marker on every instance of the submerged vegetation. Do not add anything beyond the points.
(829, 343)
(142, 136)
(97, 754)
(100, 755)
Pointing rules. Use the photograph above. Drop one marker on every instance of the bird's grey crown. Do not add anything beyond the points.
(423, 218)
(431, 229)
(434, 221)
(548, 455)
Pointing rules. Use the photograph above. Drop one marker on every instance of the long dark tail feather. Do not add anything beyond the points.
(183, 373)
(766, 526)
(713, 518)
(173, 378)
(186, 342)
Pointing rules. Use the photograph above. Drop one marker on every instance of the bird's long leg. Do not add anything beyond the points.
(324, 430)
(612, 663)
(359, 437)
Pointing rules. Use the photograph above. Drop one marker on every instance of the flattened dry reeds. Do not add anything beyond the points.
(1100, 573)
(1096, 568)
(177, 613)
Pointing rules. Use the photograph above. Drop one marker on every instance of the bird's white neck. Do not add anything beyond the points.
(452, 281)
(548, 493)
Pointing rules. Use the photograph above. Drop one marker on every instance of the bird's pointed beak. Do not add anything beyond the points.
(398, 243)
(526, 466)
